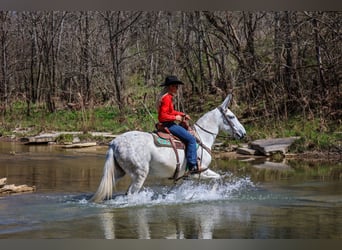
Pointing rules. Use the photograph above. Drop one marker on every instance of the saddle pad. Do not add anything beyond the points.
(161, 142)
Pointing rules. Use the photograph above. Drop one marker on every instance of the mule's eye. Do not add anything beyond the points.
(231, 116)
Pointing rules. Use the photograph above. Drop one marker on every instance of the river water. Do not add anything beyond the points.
(246, 204)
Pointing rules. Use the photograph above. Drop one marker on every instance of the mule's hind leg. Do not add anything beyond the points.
(119, 172)
(137, 181)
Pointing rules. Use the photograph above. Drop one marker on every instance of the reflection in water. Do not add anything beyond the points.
(180, 221)
(187, 209)
(238, 206)
(241, 214)
(244, 219)
(139, 218)
(107, 222)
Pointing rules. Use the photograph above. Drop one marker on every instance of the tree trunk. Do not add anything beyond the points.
(277, 47)
(319, 57)
(4, 62)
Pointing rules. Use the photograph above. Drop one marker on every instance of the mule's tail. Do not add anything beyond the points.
(105, 189)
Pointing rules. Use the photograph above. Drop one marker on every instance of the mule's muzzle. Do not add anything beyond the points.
(240, 134)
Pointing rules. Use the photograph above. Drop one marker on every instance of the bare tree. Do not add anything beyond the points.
(276, 63)
(120, 28)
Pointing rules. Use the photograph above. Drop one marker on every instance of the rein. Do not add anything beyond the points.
(205, 130)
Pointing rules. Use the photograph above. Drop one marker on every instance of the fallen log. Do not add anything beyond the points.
(45, 138)
(10, 189)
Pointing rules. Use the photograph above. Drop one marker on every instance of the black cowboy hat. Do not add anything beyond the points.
(171, 80)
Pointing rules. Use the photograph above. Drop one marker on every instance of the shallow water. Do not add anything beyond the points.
(234, 207)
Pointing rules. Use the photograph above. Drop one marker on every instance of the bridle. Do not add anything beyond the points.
(229, 122)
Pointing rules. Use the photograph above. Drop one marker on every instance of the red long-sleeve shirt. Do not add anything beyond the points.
(166, 112)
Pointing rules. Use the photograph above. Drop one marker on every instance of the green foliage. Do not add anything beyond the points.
(64, 138)
(313, 135)
(298, 146)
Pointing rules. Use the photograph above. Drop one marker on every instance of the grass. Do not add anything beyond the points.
(106, 119)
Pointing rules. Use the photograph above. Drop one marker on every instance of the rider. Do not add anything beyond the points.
(168, 116)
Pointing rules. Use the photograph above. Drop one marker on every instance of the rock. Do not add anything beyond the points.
(51, 137)
(270, 146)
(3, 182)
(80, 145)
(76, 140)
(246, 151)
(38, 139)
(103, 134)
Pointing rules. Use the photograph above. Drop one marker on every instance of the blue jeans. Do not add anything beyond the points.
(188, 139)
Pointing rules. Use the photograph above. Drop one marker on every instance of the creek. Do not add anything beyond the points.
(247, 203)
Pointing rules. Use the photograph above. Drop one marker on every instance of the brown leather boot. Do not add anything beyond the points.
(197, 170)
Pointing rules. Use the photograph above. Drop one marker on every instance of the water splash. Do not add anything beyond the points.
(189, 191)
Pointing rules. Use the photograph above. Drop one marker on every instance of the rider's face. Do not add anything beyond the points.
(173, 88)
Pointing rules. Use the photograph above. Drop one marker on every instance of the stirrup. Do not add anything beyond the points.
(197, 171)
(188, 173)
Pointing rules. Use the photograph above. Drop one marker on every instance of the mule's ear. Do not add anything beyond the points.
(226, 102)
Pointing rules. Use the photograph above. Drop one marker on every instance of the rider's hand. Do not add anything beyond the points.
(187, 117)
(179, 118)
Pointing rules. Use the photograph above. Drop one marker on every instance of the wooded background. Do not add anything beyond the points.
(275, 63)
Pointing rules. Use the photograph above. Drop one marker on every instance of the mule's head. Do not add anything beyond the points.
(230, 123)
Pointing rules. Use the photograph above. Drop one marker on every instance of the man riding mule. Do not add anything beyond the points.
(135, 153)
